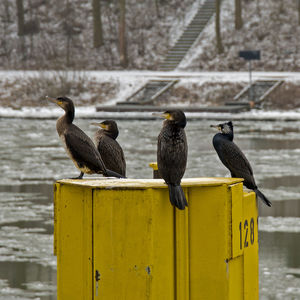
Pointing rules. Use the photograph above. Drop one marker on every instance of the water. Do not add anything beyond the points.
(32, 158)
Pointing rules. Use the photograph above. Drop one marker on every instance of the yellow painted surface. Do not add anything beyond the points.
(74, 242)
(143, 248)
(251, 252)
(209, 234)
(236, 219)
(236, 278)
(182, 251)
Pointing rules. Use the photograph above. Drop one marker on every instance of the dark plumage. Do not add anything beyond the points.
(78, 145)
(234, 159)
(172, 155)
(109, 149)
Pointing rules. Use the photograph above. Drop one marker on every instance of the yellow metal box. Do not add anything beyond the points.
(122, 239)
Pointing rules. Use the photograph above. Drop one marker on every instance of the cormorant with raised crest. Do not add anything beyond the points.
(234, 159)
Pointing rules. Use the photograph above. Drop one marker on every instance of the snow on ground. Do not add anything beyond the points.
(19, 89)
(146, 75)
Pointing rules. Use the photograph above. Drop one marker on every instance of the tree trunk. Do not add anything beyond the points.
(299, 12)
(98, 36)
(220, 48)
(238, 15)
(122, 35)
(157, 8)
(68, 51)
(20, 15)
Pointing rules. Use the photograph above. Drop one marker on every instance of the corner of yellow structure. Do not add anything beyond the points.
(56, 190)
(153, 165)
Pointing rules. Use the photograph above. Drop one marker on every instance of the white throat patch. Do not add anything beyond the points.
(226, 129)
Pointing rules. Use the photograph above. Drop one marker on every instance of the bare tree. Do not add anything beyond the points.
(122, 34)
(220, 48)
(98, 35)
(299, 12)
(20, 15)
(157, 8)
(238, 14)
(6, 19)
(71, 28)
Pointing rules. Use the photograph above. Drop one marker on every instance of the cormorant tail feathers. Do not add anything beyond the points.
(109, 173)
(262, 197)
(177, 197)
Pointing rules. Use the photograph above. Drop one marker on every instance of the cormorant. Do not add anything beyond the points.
(109, 149)
(234, 159)
(78, 145)
(172, 155)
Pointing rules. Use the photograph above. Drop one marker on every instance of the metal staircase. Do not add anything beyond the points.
(149, 92)
(191, 33)
(254, 94)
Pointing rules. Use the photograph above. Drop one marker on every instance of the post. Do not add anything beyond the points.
(250, 82)
(250, 55)
(122, 239)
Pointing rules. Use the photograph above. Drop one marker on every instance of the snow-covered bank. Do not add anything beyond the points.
(89, 112)
(227, 76)
(28, 88)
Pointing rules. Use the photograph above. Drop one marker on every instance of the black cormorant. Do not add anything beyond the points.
(234, 159)
(109, 149)
(78, 145)
(172, 155)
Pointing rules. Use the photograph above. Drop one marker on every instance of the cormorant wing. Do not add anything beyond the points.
(112, 154)
(235, 160)
(82, 149)
(172, 156)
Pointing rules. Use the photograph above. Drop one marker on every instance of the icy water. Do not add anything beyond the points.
(32, 158)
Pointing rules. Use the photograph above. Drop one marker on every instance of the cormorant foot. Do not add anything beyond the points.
(78, 177)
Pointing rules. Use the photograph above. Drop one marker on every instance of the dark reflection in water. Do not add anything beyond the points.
(18, 273)
(281, 242)
(40, 188)
(266, 144)
(47, 228)
(286, 208)
(279, 262)
(283, 181)
(31, 279)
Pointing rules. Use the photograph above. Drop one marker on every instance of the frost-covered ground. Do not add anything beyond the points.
(64, 35)
(270, 26)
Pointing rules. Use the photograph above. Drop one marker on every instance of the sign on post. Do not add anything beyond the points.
(250, 55)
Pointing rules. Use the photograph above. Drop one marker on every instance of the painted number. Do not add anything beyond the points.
(244, 231)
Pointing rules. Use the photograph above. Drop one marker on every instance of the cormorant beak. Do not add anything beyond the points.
(164, 115)
(100, 125)
(216, 126)
(167, 116)
(54, 100)
(103, 126)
